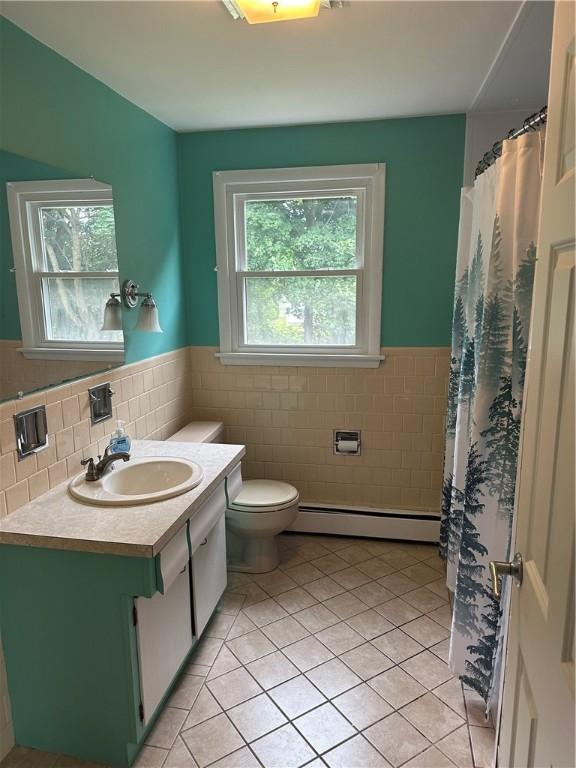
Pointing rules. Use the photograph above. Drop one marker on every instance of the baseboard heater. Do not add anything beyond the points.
(404, 524)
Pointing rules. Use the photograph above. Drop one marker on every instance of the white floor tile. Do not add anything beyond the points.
(285, 631)
(256, 717)
(428, 669)
(307, 653)
(233, 688)
(482, 746)
(283, 748)
(212, 740)
(355, 752)
(272, 670)
(332, 678)
(362, 706)
(367, 661)
(432, 717)
(324, 727)
(296, 696)
(396, 739)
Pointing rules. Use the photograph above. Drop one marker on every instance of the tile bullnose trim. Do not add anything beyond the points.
(302, 360)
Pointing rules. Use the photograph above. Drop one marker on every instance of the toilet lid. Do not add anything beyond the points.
(265, 493)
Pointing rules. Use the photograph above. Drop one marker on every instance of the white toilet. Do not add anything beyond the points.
(258, 510)
(262, 510)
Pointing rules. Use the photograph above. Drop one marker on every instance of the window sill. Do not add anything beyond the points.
(300, 360)
(69, 353)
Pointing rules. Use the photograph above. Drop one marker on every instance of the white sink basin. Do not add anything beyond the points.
(138, 481)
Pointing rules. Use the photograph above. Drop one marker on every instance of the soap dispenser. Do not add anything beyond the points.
(120, 441)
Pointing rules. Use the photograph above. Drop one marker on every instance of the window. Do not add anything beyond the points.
(299, 255)
(64, 246)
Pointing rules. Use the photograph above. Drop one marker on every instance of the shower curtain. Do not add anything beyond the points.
(494, 275)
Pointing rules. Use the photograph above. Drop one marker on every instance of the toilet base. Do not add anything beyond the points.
(251, 555)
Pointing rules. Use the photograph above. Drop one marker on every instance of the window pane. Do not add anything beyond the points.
(75, 308)
(301, 234)
(79, 238)
(301, 311)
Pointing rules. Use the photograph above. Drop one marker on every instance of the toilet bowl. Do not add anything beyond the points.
(257, 510)
(262, 510)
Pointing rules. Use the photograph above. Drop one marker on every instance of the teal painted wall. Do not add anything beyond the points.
(15, 168)
(424, 165)
(72, 122)
(56, 114)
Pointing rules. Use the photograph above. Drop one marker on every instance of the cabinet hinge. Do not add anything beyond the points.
(134, 614)
(141, 712)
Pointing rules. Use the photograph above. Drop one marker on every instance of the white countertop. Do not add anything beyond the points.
(57, 521)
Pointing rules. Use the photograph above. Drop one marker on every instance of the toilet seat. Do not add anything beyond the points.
(264, 496)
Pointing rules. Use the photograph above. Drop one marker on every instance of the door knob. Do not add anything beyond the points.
(498, 569)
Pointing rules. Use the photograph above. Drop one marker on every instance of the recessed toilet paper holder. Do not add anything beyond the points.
(347, 442)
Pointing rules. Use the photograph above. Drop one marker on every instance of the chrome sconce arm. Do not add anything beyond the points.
(130, 294)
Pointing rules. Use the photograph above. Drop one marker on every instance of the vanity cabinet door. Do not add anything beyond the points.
(208, 574)
(164, 626)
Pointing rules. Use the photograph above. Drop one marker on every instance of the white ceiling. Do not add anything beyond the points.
(192, 66)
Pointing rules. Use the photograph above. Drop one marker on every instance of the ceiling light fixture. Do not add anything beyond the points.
(263, 11)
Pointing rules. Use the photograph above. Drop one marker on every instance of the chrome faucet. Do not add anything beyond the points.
(95, 471)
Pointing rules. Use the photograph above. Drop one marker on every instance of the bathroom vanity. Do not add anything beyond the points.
(100, 607)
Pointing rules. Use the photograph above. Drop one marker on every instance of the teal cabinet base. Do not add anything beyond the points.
(69, 641)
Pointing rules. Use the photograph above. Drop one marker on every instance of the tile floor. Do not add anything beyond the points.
(337, 658)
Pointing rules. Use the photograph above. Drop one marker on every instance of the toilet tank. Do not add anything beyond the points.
(200, 432)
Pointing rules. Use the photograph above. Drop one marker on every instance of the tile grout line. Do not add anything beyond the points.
(311, 634)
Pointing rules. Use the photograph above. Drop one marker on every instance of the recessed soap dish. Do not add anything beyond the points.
(31, 431)
(100, 402)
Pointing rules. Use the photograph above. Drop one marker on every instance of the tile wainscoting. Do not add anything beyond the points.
(151, 396)
(285, 417)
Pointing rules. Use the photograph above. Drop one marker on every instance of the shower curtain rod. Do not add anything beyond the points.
(532, 123)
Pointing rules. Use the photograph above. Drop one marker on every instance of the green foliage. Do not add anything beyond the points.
(301, 234)
(476, 275)
(458, 326)
(523, 284)
(468, 373)
(446, 525)
(494, 354)
(495, 267)
(503, 439)
(491, 369)
(79, 238)
(469, 578)
(462, 284)
(479, 668)
(452, 405)
(298, 235)
(478, 318)
(519, 355)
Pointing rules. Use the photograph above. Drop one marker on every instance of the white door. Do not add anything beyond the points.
(537, 727)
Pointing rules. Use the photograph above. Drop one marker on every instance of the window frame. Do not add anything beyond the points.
(25, 199)
(232, 189)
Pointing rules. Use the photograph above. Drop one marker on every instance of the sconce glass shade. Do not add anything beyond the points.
(112, 315)
(262, 11)
(148, 317)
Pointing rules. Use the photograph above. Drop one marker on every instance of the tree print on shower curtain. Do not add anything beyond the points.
(493, 293)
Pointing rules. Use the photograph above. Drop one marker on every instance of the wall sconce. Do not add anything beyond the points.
(147, 317)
